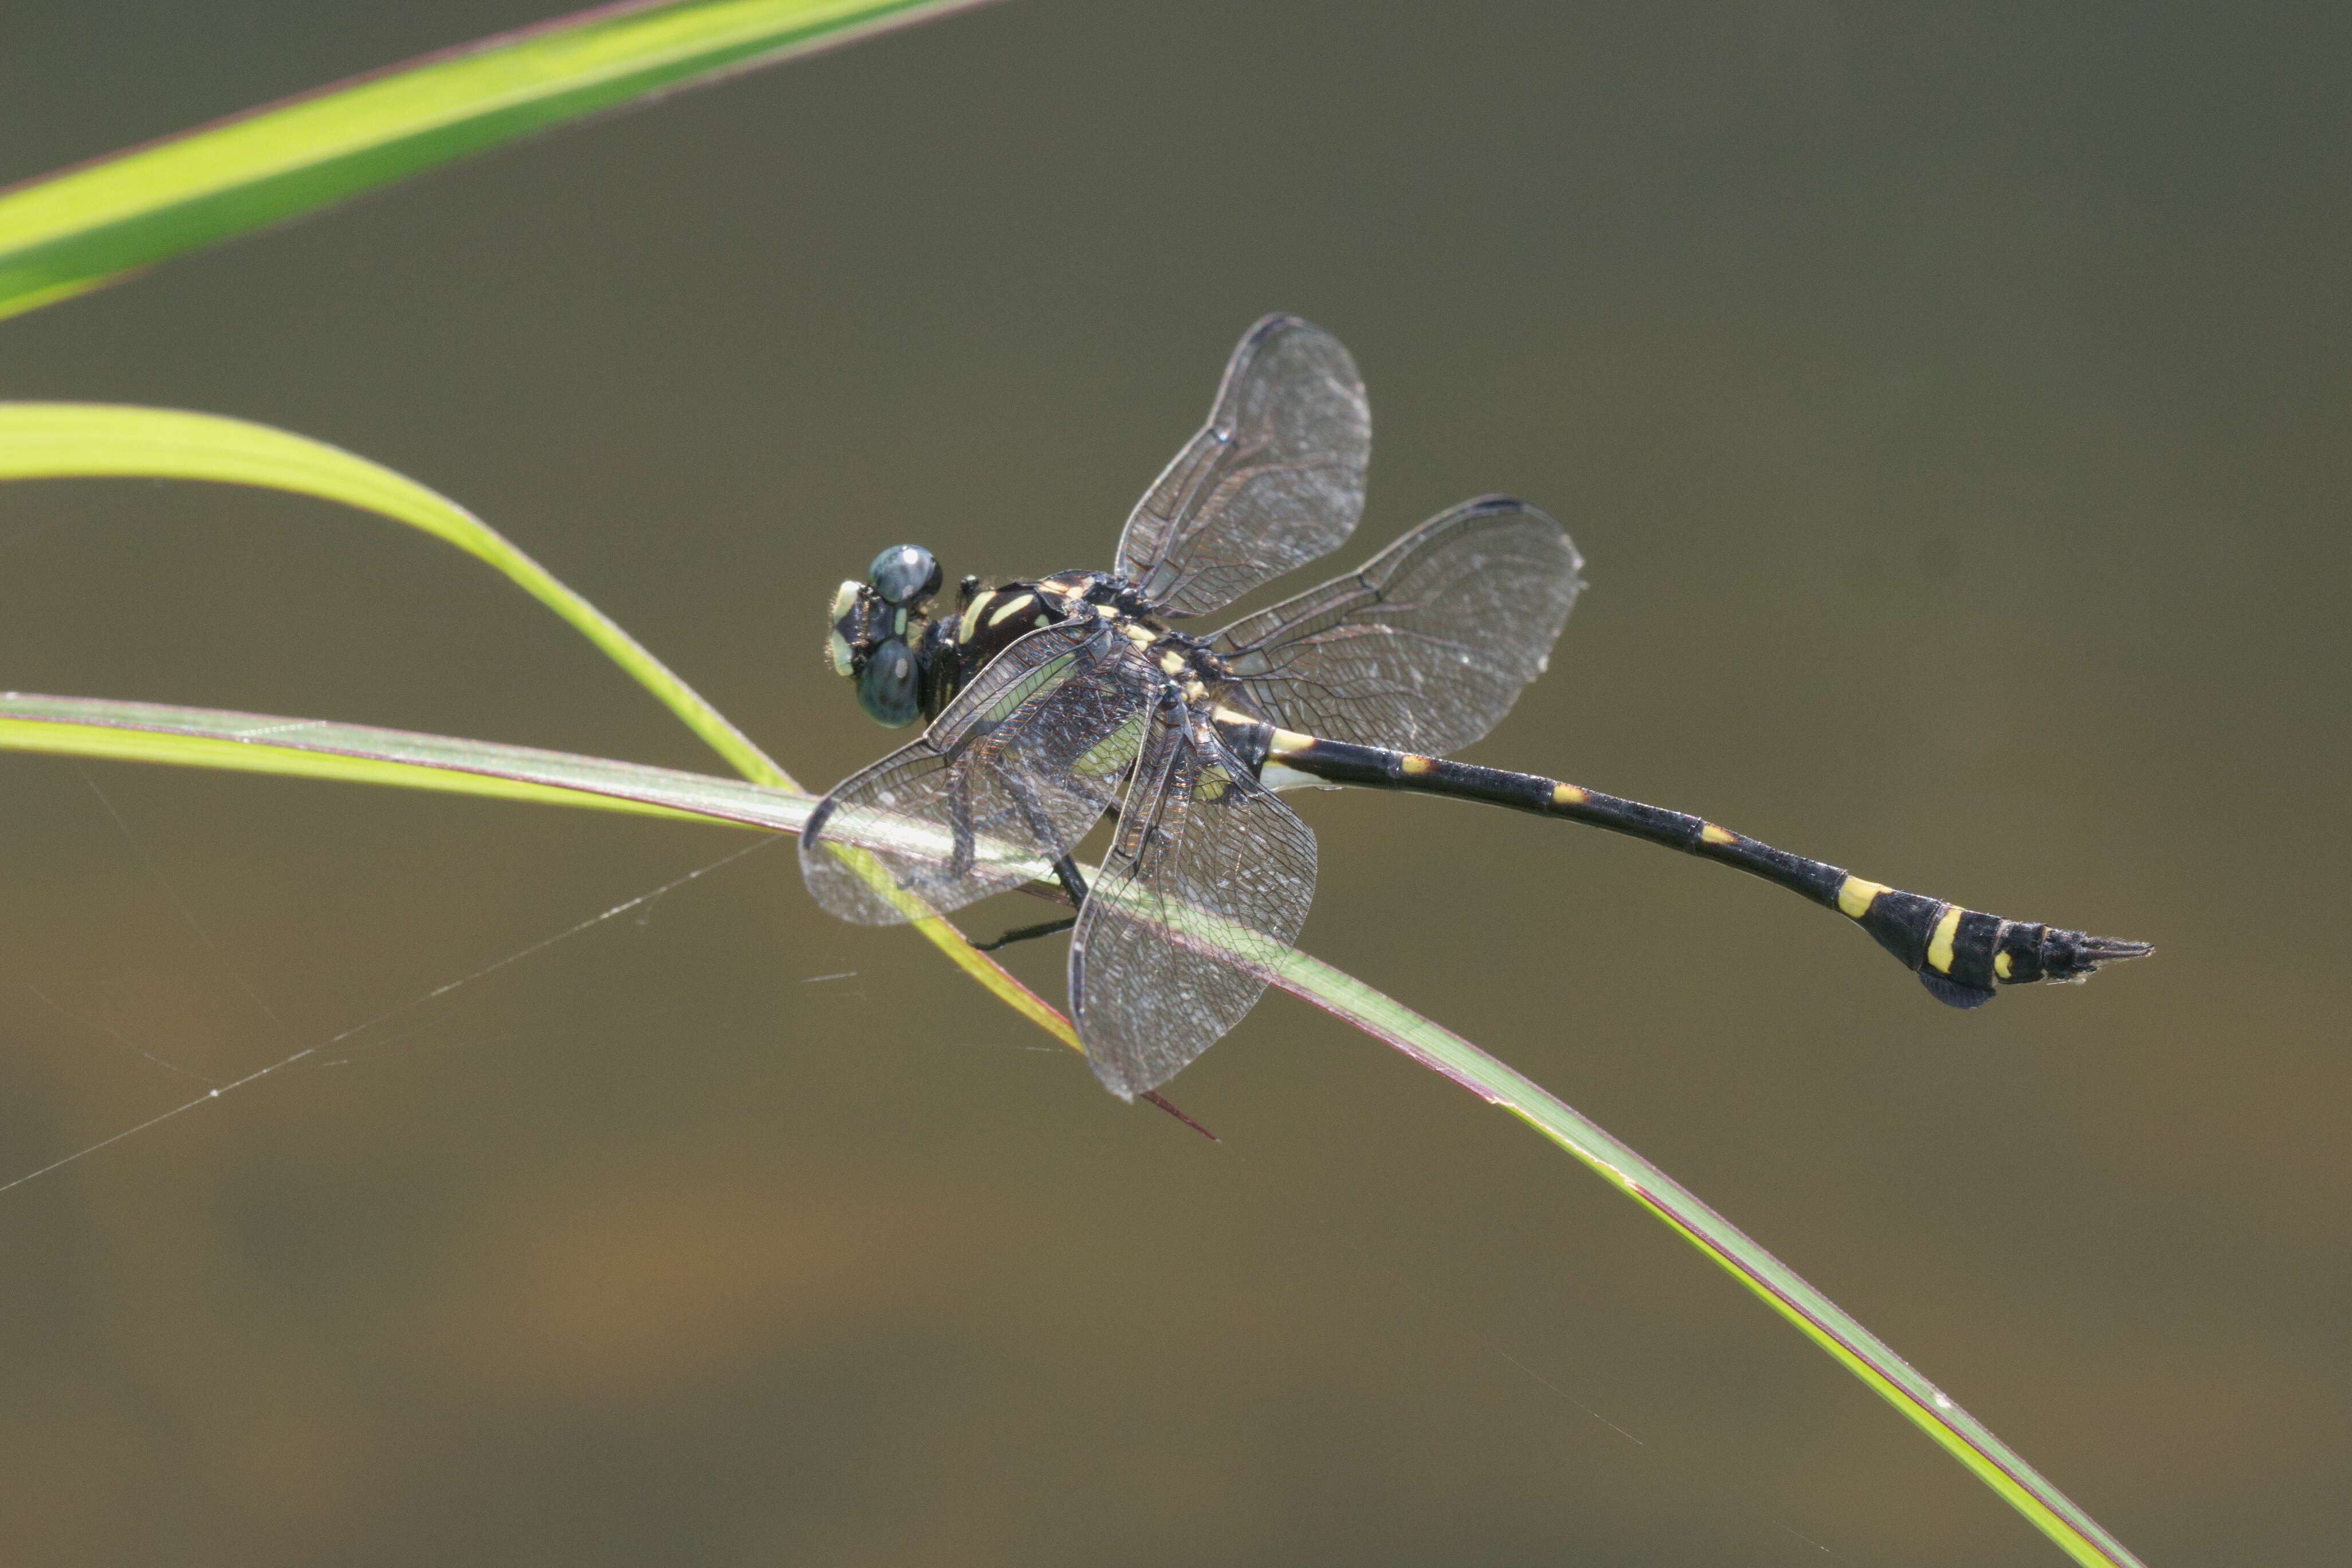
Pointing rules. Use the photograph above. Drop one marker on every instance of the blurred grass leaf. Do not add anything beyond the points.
(69, 232)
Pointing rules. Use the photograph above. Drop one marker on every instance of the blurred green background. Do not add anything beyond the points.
(1950, 401)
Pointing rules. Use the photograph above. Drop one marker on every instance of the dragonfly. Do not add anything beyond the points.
(1055, 703)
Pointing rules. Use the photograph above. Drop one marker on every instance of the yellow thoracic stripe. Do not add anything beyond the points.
(971, 617)
(1028, 686)
(1112, 752)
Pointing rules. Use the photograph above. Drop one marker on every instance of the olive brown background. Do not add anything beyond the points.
(1951, 402)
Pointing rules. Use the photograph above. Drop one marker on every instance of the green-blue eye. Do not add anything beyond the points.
(886, 686)
(904, 574)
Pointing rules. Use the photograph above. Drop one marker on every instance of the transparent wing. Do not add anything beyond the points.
(1012, 775)
(1425, 649)
(1275, 480)
(1203, 893)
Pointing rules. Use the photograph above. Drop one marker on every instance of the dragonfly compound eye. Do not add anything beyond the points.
(905, 575)
(887, 685)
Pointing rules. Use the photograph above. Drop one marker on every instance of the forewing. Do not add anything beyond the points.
(1274, 481)
(991, 794)
(1425, 649)
(1203, 894)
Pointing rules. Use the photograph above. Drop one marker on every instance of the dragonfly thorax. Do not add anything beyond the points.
(955, 648)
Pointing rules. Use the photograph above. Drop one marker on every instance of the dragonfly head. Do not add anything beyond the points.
(877, 626)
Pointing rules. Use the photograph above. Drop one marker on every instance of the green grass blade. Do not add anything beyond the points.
(362, 754)
(1822, 1321)
(202, 738)
(98, 440)
(69, 232)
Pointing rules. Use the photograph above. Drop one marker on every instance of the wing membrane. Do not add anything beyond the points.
(1275, 480)
(1203, 893)
(1425, 649)
(1012, 775)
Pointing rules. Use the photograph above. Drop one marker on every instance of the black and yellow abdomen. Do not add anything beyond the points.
(1960, 955)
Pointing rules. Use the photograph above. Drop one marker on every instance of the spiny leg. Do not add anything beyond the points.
(1026, 933)
(1066, 872)
(1074, 888)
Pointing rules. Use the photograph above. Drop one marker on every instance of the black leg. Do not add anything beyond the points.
(1066, 872)
(1023, 934)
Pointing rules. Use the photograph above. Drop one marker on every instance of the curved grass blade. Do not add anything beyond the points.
(204, 738)
(63, 233)
(103, 440)
(362, 754)
(98, 440)
(1820, 1320)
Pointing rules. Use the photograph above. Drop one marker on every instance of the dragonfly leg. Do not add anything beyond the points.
(1024, 933)
(1066, 872)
